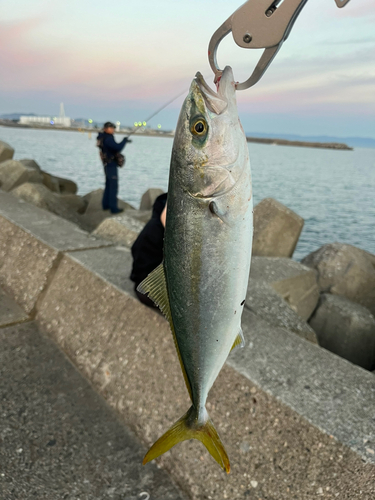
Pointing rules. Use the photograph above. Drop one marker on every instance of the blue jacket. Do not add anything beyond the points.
(110, 146)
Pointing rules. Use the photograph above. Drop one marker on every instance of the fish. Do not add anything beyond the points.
(201, 284)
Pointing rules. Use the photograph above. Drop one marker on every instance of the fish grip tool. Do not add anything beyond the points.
(258, 24)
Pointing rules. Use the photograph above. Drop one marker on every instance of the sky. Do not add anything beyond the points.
(123, 59)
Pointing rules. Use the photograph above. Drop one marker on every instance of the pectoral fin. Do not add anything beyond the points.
(155, 287)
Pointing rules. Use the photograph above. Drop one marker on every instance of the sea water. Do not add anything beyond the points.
(334, 191)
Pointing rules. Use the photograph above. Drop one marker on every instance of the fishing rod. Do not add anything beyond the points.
(158, 111)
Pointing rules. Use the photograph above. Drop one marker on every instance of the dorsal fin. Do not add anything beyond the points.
(155, 287)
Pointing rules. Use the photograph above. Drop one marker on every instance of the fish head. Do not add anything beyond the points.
(209, 140)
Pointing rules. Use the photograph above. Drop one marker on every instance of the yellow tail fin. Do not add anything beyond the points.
(188, 428)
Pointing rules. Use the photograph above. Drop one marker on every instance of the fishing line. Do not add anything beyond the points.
(158, 110)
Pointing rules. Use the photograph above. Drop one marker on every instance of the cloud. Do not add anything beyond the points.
(325, 67)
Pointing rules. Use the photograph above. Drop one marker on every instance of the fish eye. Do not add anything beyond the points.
(199, 127)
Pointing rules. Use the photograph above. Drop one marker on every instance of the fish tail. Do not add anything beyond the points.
(187, 428)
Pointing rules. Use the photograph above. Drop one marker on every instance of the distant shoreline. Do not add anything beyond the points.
(156, 133)
(302, 144)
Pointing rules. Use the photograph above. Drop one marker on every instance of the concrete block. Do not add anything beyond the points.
(67, 186)
(10, 311)
(122, 229)
(276, 229)
(113, 264)
(59, 184)
(318, 385)
(296, 283)
(25, 263)
(40, 196)
(346, 271)
(266, 303)
(74, 202)
(94, 215)
(346, 328)
(149, 197)
(30, 164)
(94, 199)
(13, 174)
(126, 350)
(47, 227)
(6, 151)
(31, 240)
(141, 215)
(51, 182)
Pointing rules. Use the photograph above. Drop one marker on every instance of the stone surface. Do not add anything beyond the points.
(74, 202)
(266, 303)
(28, 163)
(141, 215)
(58, 437)
(112, 264)
(51, 182)
(122, 229)
(327, 390)
(346, 271)
(59, 184)
(48, 228)
(6, 151)
(10, 311)
(345, 328)
(130, 358)
(25, 264)
(294, 282)
(13, 174)
(30, 242)
(276, 229)
(94, 215)
(149, 197)
(94, 199)
(40, 196)
(67, 186)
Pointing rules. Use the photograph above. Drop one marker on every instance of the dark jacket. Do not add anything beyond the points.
(110, 146)
(147, 250)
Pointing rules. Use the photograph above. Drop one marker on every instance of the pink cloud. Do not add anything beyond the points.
(82, 71)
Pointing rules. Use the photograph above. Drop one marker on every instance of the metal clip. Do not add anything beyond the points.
(258, 24)
(341, 3)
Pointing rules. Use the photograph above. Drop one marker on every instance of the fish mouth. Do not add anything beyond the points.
(217, 102)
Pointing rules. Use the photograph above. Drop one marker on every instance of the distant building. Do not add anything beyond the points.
(46, 120)
(61, 121)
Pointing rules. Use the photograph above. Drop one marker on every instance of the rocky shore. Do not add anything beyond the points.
(66, 263)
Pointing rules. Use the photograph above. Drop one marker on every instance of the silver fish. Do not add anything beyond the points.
(201, 285)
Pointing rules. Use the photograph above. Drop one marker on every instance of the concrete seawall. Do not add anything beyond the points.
(297, 421)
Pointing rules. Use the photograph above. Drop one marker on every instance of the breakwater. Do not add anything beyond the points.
(301, 144)
(297, 420)
(161, 133)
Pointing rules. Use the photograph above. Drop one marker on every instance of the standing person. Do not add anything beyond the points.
(111, 158)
